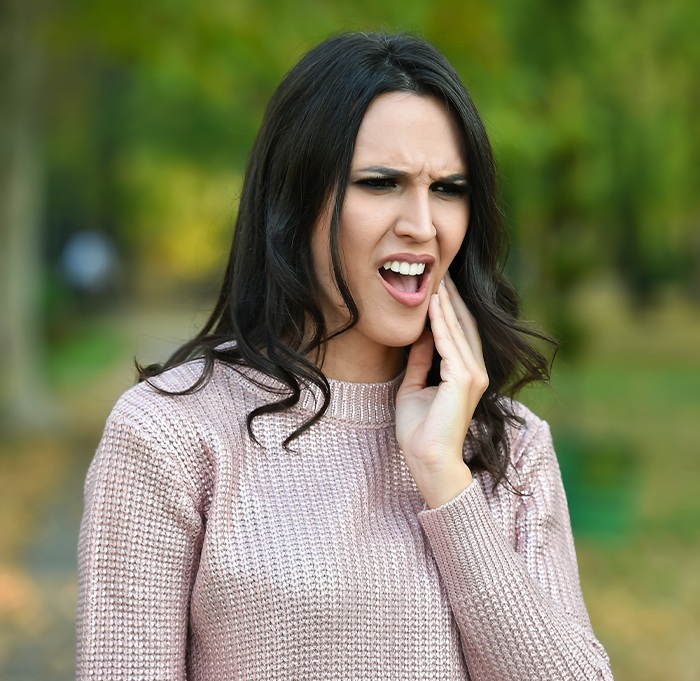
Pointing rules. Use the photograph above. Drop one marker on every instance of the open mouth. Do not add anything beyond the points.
(403, 276)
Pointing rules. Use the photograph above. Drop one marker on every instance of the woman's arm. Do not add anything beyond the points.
(518, 604)
(138, 554)
(519, 608)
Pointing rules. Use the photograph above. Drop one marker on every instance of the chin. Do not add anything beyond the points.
(408, 335)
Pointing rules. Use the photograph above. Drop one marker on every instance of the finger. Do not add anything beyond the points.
(420, 359)
(457, 332)
(449, 336)
(466, 320)
(458, 359)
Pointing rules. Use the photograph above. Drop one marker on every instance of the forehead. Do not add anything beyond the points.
(404, 130)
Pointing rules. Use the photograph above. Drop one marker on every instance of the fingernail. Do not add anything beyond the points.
(442, 281)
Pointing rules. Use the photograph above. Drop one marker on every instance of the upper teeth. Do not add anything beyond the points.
(411, 268)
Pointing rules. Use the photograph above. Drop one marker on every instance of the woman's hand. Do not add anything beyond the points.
(432, 421)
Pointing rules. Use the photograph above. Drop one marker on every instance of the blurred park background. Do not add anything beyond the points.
(124, 130)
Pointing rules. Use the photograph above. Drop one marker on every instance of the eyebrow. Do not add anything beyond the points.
(393, 172)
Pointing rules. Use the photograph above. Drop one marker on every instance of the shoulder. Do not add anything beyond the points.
(529, 437)
(154, 426)
(172, 414)
(172, 400)
(529, 421)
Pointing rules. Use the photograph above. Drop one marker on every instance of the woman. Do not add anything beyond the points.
(331, 480)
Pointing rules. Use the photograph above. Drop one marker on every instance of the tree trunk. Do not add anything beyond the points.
(23, 398)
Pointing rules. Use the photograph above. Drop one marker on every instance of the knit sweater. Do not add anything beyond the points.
(206, 556)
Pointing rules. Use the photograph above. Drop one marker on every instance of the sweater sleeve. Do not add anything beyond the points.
(518, 606)
(137, 558)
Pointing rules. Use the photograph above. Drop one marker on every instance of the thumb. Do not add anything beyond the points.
(420, 359)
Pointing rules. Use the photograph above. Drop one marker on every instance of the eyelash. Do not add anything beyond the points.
(452, 189)
(446, 188)
(377, 182)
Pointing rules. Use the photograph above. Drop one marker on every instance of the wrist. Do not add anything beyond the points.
(441, 487)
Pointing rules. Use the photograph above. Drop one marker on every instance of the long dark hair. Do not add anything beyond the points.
(269, 300)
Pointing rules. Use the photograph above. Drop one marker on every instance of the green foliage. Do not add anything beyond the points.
(87, 352)
(591, 115)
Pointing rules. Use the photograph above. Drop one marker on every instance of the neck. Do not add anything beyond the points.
(341, 362)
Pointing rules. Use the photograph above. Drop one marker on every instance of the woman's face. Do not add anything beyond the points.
(404, 217)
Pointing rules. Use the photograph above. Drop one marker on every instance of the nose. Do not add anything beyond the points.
(415, 218)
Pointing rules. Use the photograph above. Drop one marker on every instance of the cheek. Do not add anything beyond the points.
(457, 240)
(320, 255)
(360, 232)
(453, 236)
(358, 223)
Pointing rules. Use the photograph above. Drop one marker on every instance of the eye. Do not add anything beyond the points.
(451, 188)
(377, 183)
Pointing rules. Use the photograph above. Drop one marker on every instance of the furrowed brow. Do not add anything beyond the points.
(455, 178)
(383, 170)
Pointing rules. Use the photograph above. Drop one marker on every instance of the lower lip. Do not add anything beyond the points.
(406, 298)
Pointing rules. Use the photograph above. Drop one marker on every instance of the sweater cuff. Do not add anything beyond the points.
(461, 530)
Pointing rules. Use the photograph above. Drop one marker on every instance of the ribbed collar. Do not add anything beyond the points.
(360, 403)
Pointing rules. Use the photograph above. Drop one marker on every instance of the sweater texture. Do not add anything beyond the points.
(206, 556)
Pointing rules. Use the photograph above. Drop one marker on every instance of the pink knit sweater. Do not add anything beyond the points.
(204, 556)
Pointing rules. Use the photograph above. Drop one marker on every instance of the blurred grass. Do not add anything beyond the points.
(637, 388)
(87, 352)
(634, 390)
